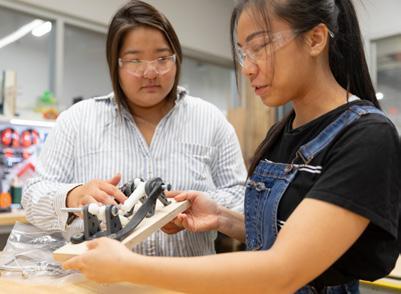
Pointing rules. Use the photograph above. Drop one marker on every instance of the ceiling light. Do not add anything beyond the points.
(43, 29)
(379, 96)
(21, 32)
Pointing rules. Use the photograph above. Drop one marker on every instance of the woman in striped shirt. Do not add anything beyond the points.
(148, 127)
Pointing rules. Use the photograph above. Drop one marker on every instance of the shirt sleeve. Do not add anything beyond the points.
(45, 194)
(228, 169)
(362, 173)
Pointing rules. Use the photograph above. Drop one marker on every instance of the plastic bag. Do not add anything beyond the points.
(28, 256)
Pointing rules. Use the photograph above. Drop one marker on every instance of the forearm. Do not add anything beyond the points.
(241, 272)
(45, 194)
(42, 201)
(231, 223)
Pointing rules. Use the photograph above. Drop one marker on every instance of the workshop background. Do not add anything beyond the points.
(50, 51)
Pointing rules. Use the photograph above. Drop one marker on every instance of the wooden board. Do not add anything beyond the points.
(17, 286)
(10, 218)
(162, 216)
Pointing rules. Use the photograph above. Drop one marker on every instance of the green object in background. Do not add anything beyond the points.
(47, 98)
(45, 101)
(16, 194)
(16, 191)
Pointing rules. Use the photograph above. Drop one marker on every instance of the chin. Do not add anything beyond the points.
(271, 101)
(152, 98)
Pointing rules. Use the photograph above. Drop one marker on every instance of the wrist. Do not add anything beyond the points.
(132, 270)
(221, 219)
(231, 223)
(73, 195)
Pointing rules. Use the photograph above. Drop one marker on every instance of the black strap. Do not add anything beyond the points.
(146, 207)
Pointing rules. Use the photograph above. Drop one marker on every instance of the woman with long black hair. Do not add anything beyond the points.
(322, 205)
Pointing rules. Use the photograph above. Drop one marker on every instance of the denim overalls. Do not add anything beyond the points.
(269, 182)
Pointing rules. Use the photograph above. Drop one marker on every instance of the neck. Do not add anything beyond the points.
(151, 115)
(323, 95)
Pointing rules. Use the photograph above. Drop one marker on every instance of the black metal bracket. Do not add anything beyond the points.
(154, 190)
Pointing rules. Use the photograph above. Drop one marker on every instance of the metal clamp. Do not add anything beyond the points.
(93, 214)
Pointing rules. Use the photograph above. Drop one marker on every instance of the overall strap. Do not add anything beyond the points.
(308, 151)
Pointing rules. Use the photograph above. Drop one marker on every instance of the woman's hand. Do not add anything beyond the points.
(172, 228)
(106, 261)
(201, 216)
(103, 191)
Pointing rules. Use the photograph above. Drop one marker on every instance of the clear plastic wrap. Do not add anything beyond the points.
(28, 256)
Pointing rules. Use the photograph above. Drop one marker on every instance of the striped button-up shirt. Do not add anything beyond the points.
(193, 148)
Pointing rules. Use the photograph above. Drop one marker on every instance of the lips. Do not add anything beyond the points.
(259, 87)
(260, 90)
(151, 87)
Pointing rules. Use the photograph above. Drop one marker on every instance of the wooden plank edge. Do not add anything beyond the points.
(142, 232)
(154, 224)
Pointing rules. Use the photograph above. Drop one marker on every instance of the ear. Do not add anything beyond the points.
(317, 39)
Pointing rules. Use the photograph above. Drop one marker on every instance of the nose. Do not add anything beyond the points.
(249, 69)
(150, 72)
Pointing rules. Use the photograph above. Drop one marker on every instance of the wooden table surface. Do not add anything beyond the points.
(11, 287)
(9, 218)
(91, 287)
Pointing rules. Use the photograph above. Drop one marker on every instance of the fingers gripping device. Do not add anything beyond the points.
(120, 220)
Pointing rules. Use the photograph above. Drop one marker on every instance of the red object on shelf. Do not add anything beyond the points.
(29, 137)
(9, 137)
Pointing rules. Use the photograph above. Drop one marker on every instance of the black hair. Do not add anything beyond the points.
(346, 53)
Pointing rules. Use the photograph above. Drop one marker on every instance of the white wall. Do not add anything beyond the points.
(381, 19)
(202, 25)
(29, 57)
(86, 72)
(378, 19)
(213, 83)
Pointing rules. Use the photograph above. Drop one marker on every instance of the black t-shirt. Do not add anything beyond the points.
(360, 172)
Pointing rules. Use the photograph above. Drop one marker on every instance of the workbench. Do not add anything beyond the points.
(10, 218)
(7, 220)
(11, 287)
